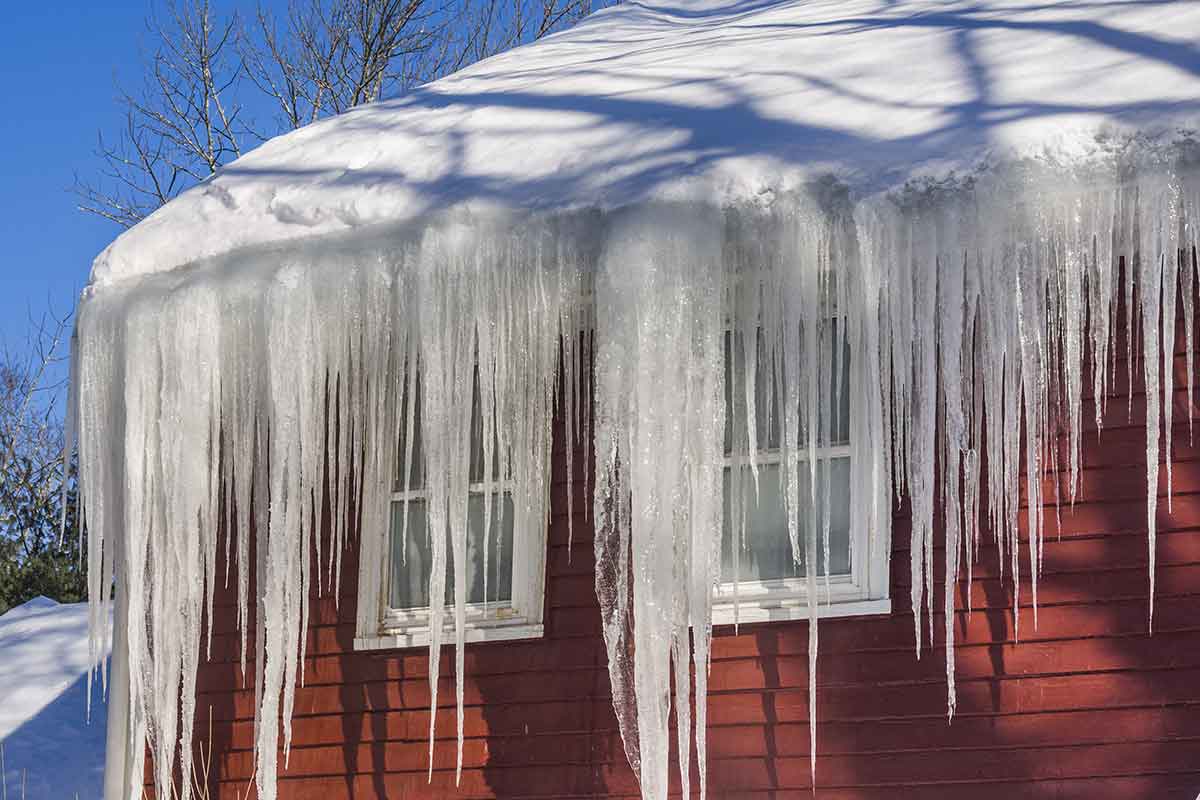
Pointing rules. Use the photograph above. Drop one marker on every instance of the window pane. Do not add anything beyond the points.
(838, 429)
(410, 579)
(416, 477)
(766, 418)
(767, 550)
(477, 438)
(768, 400)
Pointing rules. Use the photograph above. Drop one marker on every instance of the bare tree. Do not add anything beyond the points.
(320, 58)
(30, 419)
(328, 56)
(488, 27)
(34, 557)
(183, 124)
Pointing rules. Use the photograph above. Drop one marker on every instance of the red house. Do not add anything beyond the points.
(645, 347)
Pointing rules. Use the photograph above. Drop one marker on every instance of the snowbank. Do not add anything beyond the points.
(50, 746)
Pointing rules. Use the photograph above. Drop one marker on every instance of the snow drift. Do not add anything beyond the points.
(667, 178)
(52, 717)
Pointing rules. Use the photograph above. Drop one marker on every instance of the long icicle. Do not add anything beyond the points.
(963, 313)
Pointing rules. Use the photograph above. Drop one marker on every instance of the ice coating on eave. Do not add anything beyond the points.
(277, 403)
(706, 101)
(264, 388)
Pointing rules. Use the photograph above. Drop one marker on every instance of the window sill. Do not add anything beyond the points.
(491, 631)
(751, 610)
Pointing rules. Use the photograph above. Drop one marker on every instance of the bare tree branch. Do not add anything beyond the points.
(30, 426)
(320, 58)
(184, 123)
(36, 477)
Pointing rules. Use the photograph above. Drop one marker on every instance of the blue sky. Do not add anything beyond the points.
(58, 61)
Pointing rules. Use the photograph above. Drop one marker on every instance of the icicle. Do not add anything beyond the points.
(658, 431)
(1147, 265)
(263, 389)
(292, 433)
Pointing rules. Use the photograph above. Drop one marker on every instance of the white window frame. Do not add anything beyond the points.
(864, 592)
(494, 621)
(518, 618)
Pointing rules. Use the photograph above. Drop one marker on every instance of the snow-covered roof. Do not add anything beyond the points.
(50, 747)
(713, 100)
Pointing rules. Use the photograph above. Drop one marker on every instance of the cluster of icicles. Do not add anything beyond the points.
(263, 392)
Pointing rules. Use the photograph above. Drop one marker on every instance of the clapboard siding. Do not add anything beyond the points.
(1085, 705)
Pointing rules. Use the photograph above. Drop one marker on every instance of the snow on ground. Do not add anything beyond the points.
(50, 748)
(710, 100)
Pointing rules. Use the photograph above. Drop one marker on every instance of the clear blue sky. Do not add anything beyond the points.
(60, 61)
(57, 64)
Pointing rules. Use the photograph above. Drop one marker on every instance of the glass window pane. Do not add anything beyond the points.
(767, 550)
(766, 419)
(834, 403)
(839, 381)
(477, 431)
(410, 578)
(416, 478)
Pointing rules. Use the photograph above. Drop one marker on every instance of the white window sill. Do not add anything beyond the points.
(751, 610)
(489, 631)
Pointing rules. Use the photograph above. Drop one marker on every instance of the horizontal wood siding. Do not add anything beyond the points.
(1086, 705)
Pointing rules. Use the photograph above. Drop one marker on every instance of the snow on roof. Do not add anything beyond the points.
(50, 747)
(713, 100)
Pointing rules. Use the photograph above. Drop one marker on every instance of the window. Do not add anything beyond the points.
(760, 581)
(504, 555)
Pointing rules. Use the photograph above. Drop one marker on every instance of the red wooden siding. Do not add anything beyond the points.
(1087, 705)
